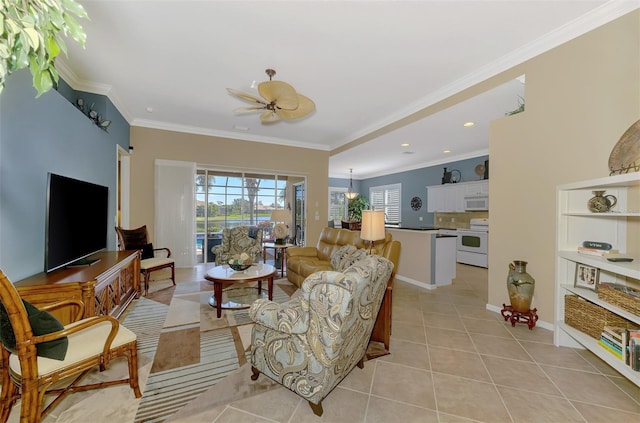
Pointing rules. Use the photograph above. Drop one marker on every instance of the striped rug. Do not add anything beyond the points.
(191, 349)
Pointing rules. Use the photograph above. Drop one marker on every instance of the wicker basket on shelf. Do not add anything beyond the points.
(590, 318)
(621, 296)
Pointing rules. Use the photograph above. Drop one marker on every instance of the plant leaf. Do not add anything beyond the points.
(75, 29)
(32, 36)
(53, 48)
(42, 82)
(75, 8)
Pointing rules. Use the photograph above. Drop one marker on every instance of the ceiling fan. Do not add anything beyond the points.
(279, 101)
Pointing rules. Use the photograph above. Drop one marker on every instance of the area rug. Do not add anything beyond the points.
(190, 348)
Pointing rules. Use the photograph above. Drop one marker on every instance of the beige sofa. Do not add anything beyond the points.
(303, 261)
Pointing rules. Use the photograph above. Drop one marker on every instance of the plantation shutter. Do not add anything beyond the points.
(387, 198)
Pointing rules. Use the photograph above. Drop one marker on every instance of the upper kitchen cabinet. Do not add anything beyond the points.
(451, 197)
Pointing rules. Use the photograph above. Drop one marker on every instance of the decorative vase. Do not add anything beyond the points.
(601, 203)
(520, 285)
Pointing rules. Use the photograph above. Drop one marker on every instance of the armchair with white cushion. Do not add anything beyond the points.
(42, 357)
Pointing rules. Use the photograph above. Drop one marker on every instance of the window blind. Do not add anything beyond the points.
(387, 198)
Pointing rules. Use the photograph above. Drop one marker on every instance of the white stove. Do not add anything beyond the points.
(473, 243)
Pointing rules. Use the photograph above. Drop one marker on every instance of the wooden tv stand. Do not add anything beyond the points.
(106, 287)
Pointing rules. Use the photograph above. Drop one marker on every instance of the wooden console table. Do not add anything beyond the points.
(106, 288)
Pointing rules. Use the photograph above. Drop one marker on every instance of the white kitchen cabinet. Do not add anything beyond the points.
(476, 188)
(620, 228)
(450, 197)
(436, 198)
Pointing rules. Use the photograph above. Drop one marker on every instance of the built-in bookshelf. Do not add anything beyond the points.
(619, 227)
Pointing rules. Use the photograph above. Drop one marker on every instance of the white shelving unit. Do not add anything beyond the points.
(620, 228)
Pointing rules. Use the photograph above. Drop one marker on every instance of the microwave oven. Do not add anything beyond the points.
(476, 203)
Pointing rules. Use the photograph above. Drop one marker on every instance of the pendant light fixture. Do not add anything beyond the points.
(350, 194)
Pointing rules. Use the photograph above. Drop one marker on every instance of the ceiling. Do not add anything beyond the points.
(365, 64)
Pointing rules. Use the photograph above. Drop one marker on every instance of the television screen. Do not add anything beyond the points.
(77, 220)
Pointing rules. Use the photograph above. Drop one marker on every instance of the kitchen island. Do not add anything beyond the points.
(427, 259)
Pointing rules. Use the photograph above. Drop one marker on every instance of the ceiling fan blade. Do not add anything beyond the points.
(248, 109)
(269, 116)
(282, 93)
(305, 107)
(245, 96)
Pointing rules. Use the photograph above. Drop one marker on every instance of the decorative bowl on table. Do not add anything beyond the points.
(240, 262)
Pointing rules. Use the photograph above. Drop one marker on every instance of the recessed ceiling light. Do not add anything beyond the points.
(446, 151)
(467, 124)
(149, 109)
(404, 144)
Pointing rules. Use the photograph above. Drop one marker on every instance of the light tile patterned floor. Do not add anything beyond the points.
(454, 361)
(451, 361)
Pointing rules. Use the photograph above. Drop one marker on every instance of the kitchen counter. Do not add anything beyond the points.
(427, 258)
(419, 228)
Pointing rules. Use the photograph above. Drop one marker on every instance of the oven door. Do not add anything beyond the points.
(472, 241)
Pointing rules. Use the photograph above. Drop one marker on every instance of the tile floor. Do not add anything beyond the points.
(454, 361)
(451, 361)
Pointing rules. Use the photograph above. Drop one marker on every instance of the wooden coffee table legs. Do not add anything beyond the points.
(217, 294)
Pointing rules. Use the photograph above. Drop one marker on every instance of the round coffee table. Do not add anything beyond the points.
(224, 275)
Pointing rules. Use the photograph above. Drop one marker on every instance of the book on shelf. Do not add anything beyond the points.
(615, 331)
(611, 349)
(596, 251)
(634, 353)
(631, 350)
(615, 342)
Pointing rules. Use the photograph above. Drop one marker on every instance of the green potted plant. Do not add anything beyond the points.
(354, 211)
(31, 35)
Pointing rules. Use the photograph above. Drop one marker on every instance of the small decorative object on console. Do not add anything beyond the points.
(280, 232)
(240, 262)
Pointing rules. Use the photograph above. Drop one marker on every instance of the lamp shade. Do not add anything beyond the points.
(372, 225)
(280, 215)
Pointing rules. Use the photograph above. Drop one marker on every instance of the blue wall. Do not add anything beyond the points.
(414, 184)
(42, 135)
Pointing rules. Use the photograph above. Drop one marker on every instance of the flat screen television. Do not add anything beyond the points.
(77, 221)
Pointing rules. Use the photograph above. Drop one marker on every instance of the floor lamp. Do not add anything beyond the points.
(372, 226)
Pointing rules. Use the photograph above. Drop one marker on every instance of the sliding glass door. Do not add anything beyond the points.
(226, 199)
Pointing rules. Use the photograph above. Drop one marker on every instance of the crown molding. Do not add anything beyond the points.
(152, 124)
(106, 90)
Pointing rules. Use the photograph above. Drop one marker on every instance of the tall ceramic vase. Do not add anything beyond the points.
(520, 285)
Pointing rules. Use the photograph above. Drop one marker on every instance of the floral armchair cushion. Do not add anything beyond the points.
(310, 343)
(345, 256)
(238, 240)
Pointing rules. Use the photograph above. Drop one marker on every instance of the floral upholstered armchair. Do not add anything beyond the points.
(237, 240)
(310, 343)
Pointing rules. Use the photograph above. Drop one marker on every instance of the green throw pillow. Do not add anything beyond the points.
(42, 323)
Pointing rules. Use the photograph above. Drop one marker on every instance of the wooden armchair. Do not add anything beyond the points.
(38, 352)
(137, 239)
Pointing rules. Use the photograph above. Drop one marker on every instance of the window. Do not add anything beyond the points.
(387, 198)
(337, 204)
(227, 199)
